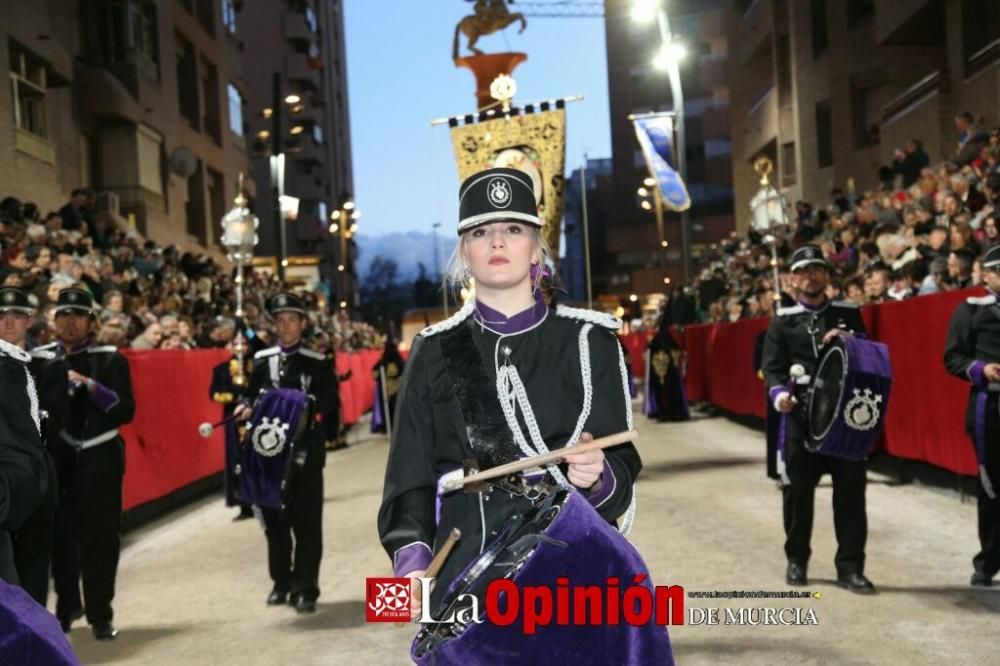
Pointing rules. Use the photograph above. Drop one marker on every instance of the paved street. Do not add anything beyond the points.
(191, 587)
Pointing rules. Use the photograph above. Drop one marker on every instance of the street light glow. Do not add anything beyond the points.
(298, 129)
(666, 280)
(633, 298)
(664, 243)
(643, 192)
(334, 227)
(292, 99)
(349, 205)
(335, 215)
(644, 11)
(646, 205)
(649, 182)
(340, 267)
(669, 54)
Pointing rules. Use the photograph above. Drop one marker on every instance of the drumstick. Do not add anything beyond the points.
(206, 429)
(542, 459)
(434, 568)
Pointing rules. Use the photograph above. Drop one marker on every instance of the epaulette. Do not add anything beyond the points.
(451, 322)
(103, 349)
(990, 299)
(309, 353)
(270, 351)
(791, 310)
(593, 316)
(14, 352)
(43, 354)
(846, 304)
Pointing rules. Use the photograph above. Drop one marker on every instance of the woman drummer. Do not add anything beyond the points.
(504, 378)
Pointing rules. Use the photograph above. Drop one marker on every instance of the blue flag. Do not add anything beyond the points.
(655, 137)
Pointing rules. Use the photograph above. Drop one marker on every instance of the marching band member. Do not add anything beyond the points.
(89, 454)
(795, 336)
(228, 383)
(972, 353)
(290, 365)
(504, 378)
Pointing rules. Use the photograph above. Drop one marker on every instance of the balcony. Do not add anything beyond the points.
(296, 28)
(301, 71)
(762, 123)
(909, 22)
(103, 95)
(753, 30)
(304, 149)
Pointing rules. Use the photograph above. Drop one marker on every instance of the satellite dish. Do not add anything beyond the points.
(183, 163)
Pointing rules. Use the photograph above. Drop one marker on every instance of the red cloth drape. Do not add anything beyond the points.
(163, 450)
(927, 409)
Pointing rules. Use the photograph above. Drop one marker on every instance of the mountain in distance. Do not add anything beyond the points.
(407, 249)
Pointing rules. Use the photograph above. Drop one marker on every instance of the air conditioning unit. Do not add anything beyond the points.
(108, 202)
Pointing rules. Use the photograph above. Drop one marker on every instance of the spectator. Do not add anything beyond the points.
(937, 278)
(877, 283)
(150, 337)
(960, 268)
(910, 161)
(70, 215)
(971, 138)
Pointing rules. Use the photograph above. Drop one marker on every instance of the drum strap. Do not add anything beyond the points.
(485, 425)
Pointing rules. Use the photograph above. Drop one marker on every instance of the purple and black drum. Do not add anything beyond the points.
(279, 418)
(848, 398)
(560, 536)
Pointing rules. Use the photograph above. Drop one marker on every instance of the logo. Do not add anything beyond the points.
(498, 192)
(387, 599)
(862, 412)
(269, 437)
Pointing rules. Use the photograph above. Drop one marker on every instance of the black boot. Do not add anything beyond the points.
(795, 574)
(278, 597)
(105, 631)
(66, 620)
(855, 582)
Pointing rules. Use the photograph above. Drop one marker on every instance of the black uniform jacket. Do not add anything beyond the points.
(973, 341)
(794, 336)
(430, 439)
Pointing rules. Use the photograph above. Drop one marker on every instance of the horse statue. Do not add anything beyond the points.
(489, 16)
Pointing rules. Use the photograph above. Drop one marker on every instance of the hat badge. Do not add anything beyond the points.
(281, 301)
(809, 253)
(498, 192)
(9, 297)
(72, 297)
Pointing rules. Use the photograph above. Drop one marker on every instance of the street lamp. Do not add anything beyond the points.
(239, 237)
(768, 209)
(668, 56)
(344, 223)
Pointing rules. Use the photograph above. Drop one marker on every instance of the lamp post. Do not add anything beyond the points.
(344, 223)
(668, 57)
(768, 209)
(239, 237)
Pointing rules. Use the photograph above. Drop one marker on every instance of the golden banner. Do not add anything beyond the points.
(534, 143)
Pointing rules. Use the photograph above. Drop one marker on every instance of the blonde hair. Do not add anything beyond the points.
(457, 273)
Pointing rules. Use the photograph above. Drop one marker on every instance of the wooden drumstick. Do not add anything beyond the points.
(541, 459)
(437, 562)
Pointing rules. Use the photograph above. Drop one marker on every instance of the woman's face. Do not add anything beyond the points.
(500, 254)
(115, 303)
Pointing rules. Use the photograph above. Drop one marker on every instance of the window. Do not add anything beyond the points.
(788, 163)
(210, 106)
(124, 28)
(818, 20)
(784, 70)
(187, 82)
(980, 28)
(229, 16)
(317, 134)
(824, 134)
(149, 145)
(864, 117)
(235, 110)
(859, 12)
(27, 78)
(311, 19)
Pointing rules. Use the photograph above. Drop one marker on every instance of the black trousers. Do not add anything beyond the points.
(295, 540)
(850, 519)
(88, 525)
(987, 560)
(33, 543)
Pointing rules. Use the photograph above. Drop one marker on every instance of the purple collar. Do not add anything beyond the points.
(815, 308)
(518, 323)
(291, 349)
(83, 346)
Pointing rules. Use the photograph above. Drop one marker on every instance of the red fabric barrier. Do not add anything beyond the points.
(163, 450)
(636, 344)
(926, 418)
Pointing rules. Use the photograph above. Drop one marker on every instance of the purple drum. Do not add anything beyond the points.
(848, 398)
(560, 536)
(267, 458)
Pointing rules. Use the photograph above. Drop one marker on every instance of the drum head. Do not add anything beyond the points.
(825, 392)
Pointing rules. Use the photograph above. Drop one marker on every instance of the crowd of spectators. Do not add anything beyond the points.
(922, 231)
(150, 297)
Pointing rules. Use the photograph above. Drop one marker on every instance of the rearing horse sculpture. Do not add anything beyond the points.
(490, 16)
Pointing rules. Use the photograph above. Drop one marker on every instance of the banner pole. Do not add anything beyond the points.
(586, 232)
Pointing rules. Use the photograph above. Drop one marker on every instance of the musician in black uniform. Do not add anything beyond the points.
(33, 541)
(89, 454)
(795, 336)
(23, 472)
(972, 353)
(290, 365)
(229, 382)
(564, 381)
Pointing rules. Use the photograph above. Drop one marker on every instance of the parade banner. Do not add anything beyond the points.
(532, 142)
(655, 135)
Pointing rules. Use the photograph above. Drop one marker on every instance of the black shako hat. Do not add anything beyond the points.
(285, 301)
(494, 195)
(13, 299)
(992, 258)
(75, 300)
(808, 255)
